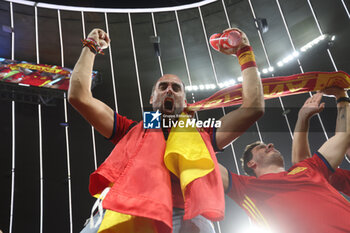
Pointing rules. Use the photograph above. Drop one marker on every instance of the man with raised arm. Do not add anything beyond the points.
(340, 179)
(299, 199)
(154, 180)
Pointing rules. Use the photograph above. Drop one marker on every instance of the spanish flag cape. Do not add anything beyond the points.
(186, 155)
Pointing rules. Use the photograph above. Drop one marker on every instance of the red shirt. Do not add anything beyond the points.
(122, 125)
(296, 201)
(340, 180)
(142, 185)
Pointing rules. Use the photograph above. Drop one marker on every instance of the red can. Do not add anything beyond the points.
(228, 39)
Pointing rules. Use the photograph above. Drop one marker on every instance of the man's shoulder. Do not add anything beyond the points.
(317, 164)
(122, 126)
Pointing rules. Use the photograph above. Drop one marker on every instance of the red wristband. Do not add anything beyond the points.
(92, 45)
(246, 57)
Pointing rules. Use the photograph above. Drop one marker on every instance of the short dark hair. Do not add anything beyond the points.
(247, 156)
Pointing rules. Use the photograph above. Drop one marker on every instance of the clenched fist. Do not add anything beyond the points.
(100, 37)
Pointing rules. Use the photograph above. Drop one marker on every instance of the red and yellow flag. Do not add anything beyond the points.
(276, 87)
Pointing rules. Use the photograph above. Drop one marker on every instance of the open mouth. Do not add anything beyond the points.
(272, 149)
(168, 104)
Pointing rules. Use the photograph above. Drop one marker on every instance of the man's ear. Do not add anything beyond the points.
(151, 99)
(251, 164)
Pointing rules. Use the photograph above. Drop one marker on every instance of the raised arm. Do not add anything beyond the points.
(300, 146)
(97, 113)
(335, 148)
(238, 121)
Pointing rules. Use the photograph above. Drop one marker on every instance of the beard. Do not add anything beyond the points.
(277, 159)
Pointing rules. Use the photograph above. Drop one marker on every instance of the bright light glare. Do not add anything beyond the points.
(295, 54)
(255, 229)
(287, 59)
(240, 79)
(312, 43)
(271, 68)
(280, 63)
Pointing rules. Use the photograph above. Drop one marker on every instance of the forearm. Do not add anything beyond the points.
(343, 118)
(252, 93)
(300, 146)
(341, 122)
(335, 148)
(80, 82)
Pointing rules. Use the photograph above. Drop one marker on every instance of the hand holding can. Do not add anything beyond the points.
(229, 39)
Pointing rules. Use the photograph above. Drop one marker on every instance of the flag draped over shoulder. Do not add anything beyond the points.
(276, 87)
